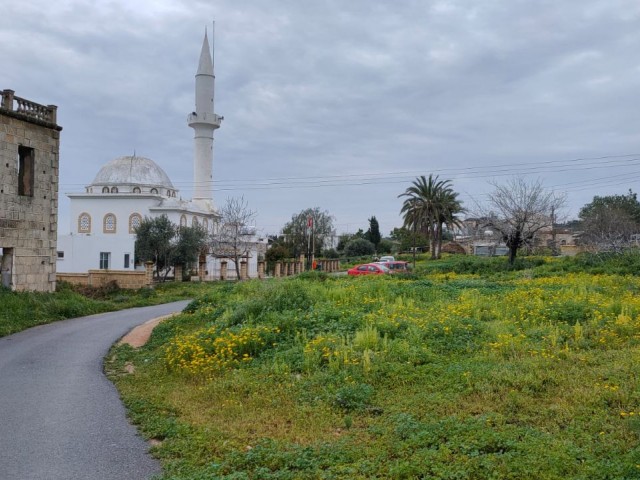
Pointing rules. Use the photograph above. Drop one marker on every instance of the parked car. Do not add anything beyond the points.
(387, 258)
(396, 267)
(368, 269)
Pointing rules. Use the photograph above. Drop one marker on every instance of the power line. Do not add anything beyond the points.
(580, 164)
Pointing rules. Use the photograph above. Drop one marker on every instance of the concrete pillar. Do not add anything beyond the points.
(223, 270)
(277, 270)
(243, 270)
(260, 270)
(148, 274)
(177, 273)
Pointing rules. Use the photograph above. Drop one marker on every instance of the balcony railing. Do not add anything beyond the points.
(30, 109)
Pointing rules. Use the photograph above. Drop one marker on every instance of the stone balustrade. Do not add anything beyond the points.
(28, 108)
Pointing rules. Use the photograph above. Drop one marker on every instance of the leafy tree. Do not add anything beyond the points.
(299, 237)
(407, 239)
(330, 253)
(191, 243)
(359, 247)
(518, 210)
(385, 246)
(276, 253)
(234, 238)
(610, 222)
(343, 239)
(373, 234)
(154, 243)
(429, 205)
(161, 241)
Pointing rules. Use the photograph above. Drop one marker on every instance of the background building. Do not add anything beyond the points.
(103, 218)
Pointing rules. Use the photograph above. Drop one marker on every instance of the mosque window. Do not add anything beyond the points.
(109, 223)
(183, 221)
(168, 193)
(105, 189)
(134, 222)
(84, 223)
(114, 189)
(173, 194)
(194, 222)
(154, 190)
(136, 189)
(205, 224)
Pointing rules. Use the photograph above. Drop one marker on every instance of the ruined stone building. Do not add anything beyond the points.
(29, 160)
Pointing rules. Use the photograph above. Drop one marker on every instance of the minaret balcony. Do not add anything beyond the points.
(204, 118)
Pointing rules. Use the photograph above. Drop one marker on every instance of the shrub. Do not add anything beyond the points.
(359, 247)
(353, 397)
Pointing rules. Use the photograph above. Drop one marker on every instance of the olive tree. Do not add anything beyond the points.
(611, 222)
(166, 245)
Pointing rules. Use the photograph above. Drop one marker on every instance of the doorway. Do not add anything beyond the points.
(6, 266)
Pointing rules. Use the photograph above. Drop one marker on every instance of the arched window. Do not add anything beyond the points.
(173, 194)
(109, 223)
(134, 222)
(205, 224)
(154, 190)
(168, 193)
(105, 189)
(183, 221)
(136, 189)
(84, 223)
(114, 189)
(194, 222)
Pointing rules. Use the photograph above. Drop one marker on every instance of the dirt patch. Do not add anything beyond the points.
(140, 335)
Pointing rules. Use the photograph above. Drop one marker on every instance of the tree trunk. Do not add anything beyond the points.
(236, 262)
(433, 241)
(439, 245)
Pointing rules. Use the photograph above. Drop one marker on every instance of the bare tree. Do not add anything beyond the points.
(233, 239)
(518, 210)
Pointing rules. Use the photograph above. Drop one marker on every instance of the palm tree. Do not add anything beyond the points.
(449, 207)
(430, 204)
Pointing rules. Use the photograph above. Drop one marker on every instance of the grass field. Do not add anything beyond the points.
(22, 310)
(466, 369)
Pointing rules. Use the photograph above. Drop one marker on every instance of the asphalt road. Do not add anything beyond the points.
(60, 417)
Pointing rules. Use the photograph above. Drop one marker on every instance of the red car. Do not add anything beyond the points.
(368, 269)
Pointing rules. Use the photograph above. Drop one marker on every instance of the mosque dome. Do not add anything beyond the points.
(133, 172)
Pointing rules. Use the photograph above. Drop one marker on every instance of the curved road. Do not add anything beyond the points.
(60, 417)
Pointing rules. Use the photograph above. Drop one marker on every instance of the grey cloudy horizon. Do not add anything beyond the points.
(340, 105)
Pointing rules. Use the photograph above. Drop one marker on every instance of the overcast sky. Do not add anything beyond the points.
(340, 104)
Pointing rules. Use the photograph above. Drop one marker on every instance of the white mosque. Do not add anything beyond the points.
(128, 189)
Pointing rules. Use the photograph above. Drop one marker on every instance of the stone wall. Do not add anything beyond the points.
(124, 278)
(28, 201)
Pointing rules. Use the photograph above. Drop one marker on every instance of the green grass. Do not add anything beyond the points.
(22, 310)
(497, 373)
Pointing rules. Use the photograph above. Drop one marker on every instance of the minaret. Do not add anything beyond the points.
(204, 122)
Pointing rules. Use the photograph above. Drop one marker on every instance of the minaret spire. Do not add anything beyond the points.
(204, 121)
